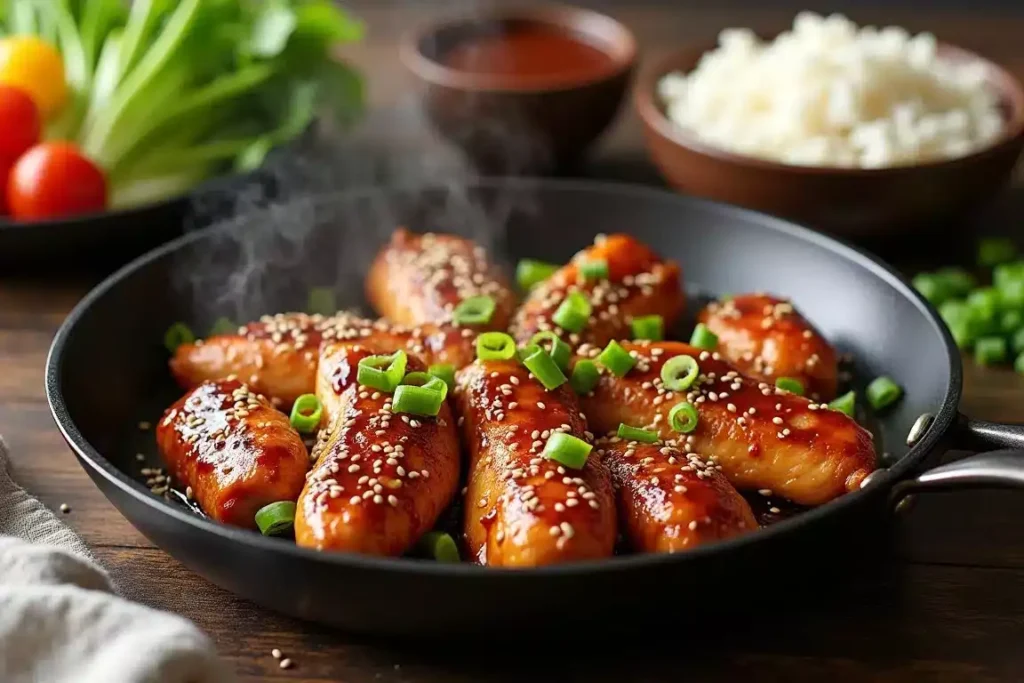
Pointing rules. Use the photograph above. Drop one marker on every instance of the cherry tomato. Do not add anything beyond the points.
(54, 179)
(19, 123)
(35, 66)
(5, 171)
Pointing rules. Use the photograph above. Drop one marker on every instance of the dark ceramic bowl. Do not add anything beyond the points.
(845, 201)
(513, 125)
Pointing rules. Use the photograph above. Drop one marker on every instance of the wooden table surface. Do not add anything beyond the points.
(948, 606)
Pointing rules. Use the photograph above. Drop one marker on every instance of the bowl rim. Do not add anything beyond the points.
(654, 119)
(622, 50)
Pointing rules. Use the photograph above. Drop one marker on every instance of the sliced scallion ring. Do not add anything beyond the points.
(476, 310)
(439, 546)
(495, 346)
(650, 327)
(223, 326)
(616, 359)
(530, 273)
(544, 368)
(277, 518)
(555, 347)
(444, 372)
(883, 392)
(573, 313)
(636, 434)
(382, 372)
(584, 377)
(679, 373)
(176, 335)
(420, 394)
(790, 384)
(703, 338)
(847, 403)
(567, 450)
(307, 411)
(683, 418)
(594, 269)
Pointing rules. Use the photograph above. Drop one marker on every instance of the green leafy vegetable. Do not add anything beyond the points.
(165, 93)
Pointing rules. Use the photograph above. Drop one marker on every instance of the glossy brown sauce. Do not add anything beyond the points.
(528, 51)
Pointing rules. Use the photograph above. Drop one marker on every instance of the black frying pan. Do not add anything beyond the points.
(107, 371)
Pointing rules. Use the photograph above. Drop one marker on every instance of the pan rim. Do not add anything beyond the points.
(89, 456)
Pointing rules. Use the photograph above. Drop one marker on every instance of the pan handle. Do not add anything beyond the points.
(1002, 468)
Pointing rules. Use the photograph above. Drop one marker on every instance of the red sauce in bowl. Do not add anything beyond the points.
(529, 51)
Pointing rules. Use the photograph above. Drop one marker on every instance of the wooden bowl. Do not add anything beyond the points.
(511, 124)
(846, 201)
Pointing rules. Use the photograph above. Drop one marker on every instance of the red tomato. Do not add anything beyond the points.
(54, 179)
(5, 172)
(19, 122)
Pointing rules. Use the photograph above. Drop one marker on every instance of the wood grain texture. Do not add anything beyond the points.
(946, 606)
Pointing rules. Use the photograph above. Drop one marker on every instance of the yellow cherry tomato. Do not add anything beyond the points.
(36, 67)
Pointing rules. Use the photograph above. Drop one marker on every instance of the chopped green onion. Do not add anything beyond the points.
(636, 434)
(960, 321)
(957, 281)
(683, 418)
(703, 338)
(277, 518)
(1005, 273)
(584, 377)
(559, 350)
(176, 335)
(476, 310)
(1017, 341)
(790, 384)
(984, 305)
(440, 546)
(883, 392)
(444, 372)
(573, 313)
(223, 326)
(995, 250)
(306, 413)
(616, 359)
(678, 373)
(419, 394)
(931, 287)
(567, 450)
(523, 351)
(1011, 321)
(596, 269)
(847, 403)
(650, 327)
(321, 300)
(382, 372)
(530, 273)
(990, 351)
(1012, 294)
(495, 346)
(1018, 365)
(545, 369)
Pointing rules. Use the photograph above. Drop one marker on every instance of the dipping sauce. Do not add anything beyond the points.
(529, 50)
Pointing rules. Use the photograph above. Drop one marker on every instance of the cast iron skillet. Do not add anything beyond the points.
(107, 371)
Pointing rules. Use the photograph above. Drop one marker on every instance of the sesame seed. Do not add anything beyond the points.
(286, 663)
(65, 508)
(275, 653)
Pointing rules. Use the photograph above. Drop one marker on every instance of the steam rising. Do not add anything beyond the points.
(317, 215)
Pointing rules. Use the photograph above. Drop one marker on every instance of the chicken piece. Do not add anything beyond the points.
(522, 509)
(381, 479)
(766, 338)
(278, 354)
(233, 449)
(670, 500)
(639, 283)
(763, 437)
(418, 279)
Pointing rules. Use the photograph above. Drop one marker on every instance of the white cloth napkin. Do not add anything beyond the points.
(61, 620)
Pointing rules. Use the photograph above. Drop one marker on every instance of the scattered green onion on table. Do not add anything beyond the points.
(988, 319)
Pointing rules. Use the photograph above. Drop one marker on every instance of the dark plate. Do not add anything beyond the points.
(108, 370)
